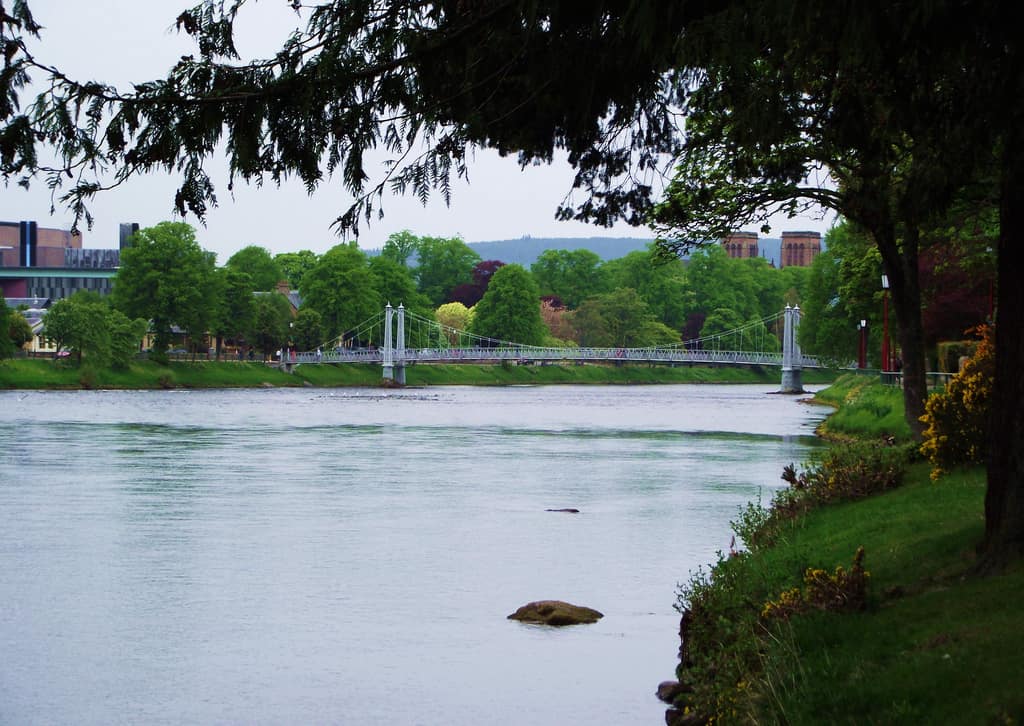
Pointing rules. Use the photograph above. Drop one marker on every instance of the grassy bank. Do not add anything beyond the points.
(793, 631)
(41, 373)
(864, 409)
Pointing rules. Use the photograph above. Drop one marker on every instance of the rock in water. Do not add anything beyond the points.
(555, 612)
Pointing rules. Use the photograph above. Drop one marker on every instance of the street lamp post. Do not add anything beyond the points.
(862, 353)
(886, 357)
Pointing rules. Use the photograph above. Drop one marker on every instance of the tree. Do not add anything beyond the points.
(395, 284)
(258, 263)
(400, 246)
(662, 284)
(444, 263)
(307, 331)
(470, 293)
(841, 293)
(236, 305)
(455, 317)
(19, 329)
(6, 344)
(125, 338)
(341, 288)
(620, 319)
(510, 309)
(166, 278)
(271, 317)
(79, 324)
(315, 107)
(571, 275)
(294, 266)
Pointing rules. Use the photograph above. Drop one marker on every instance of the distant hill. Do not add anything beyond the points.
(525, 250)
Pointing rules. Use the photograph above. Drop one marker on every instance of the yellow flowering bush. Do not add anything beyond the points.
(840, 590)
(956, 419)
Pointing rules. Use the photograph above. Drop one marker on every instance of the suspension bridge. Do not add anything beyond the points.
(396, 338)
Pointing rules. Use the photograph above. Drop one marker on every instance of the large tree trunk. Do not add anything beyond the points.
(900, 264)
(1004, 497)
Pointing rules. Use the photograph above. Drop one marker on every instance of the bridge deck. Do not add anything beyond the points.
(531, 354)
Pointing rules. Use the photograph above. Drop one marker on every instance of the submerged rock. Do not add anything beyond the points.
(555, 612)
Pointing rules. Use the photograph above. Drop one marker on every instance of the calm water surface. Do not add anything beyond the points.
(350, 557)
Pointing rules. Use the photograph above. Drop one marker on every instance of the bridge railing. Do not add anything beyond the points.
(530, 354)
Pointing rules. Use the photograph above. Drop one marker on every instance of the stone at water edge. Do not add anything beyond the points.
(555, 612)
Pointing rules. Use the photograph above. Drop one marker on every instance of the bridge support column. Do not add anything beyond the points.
(394, 352)
(388, 353)
(792, 366)
(400, 347)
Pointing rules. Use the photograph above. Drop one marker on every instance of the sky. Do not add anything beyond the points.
(124, 41)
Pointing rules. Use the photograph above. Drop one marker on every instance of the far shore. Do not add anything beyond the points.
(44, 374)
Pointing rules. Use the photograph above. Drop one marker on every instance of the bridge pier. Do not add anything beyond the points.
(792, 367)
(394, 355)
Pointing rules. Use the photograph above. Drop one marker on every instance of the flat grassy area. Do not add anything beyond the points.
(43, 373)
(936, 645)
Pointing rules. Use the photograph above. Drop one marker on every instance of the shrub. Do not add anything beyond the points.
(956, 419)
(839, 591)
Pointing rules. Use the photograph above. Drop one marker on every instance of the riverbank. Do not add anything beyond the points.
(50, 374)
(843, 606)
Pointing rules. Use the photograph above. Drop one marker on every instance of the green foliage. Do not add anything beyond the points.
(271, 318)
(79, 324)
(18, 328)
(400, 246)
(570, 275)
(442, 265)
(620, 319)
(342, 289)
(662, 285)
(454, 316)
(844, 288)
(395, 284)
(125, 337)
(307, 331)
(258, 263)
(166, 278)
(957, 420)
(236, 303)
(295, 265)
(6, 344)
(510, 309)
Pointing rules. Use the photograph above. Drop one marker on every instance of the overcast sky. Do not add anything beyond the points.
(120, 41)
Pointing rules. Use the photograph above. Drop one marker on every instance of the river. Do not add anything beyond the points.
(350, 556)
